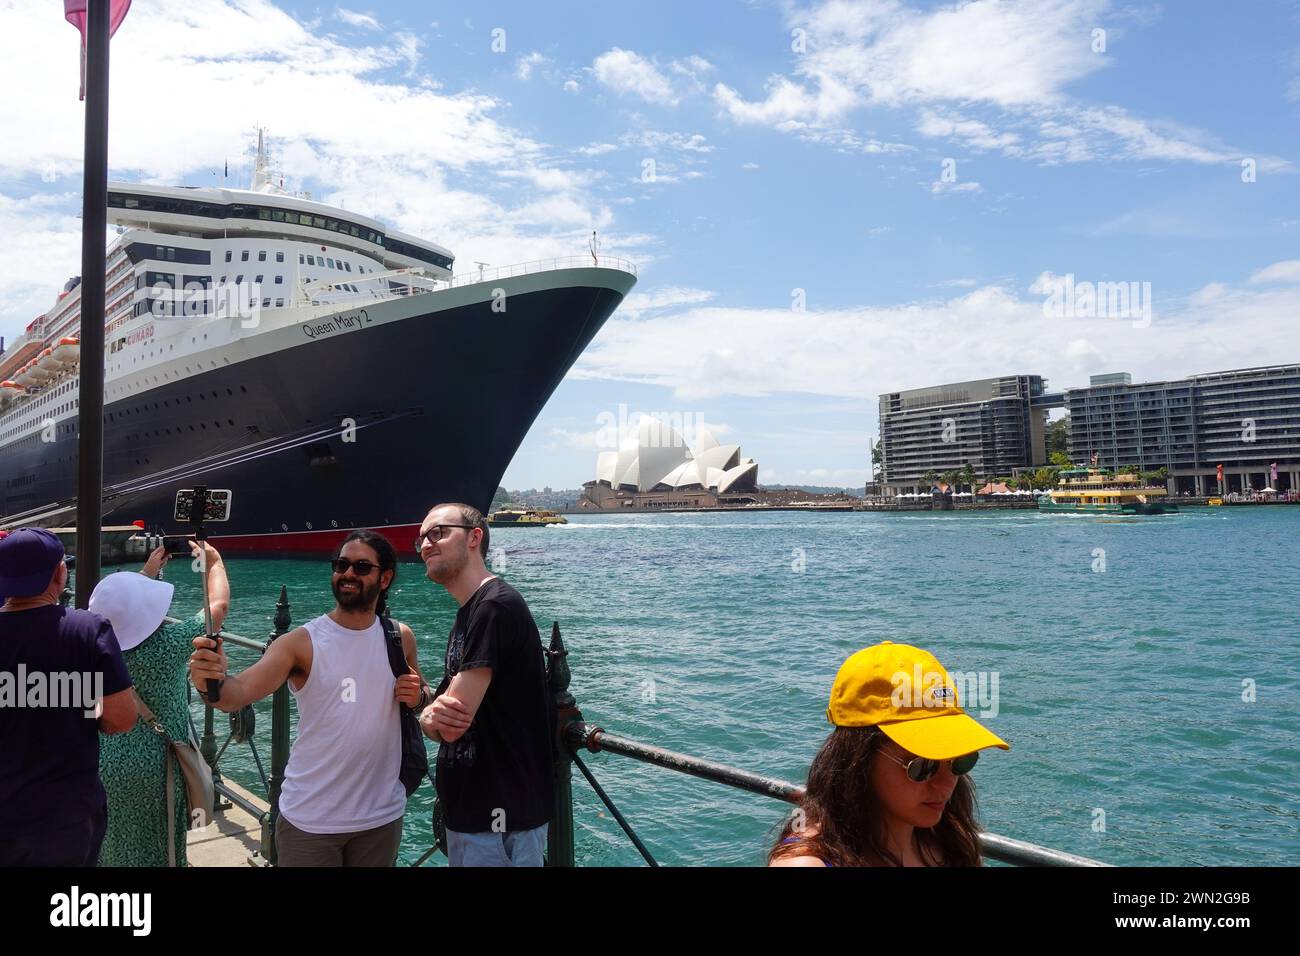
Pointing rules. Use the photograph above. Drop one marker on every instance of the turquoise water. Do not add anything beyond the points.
(1120, 689)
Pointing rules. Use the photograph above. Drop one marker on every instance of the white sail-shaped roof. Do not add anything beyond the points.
(656, 456)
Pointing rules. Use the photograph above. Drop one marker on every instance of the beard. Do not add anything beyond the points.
(366, 595)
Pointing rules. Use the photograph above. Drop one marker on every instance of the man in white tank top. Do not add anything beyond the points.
(342, 801)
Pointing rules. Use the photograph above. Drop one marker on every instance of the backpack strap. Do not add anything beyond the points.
(393, 642)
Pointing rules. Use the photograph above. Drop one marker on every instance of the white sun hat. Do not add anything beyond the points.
(134, 604)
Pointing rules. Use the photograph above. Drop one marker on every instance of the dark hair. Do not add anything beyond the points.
(841, 804)
(386, 553)
(472, 517)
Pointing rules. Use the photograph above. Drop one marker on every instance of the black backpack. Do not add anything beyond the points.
(415, 760)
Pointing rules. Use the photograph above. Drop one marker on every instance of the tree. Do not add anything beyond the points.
(1061, 460)
(500, 499)
(950, 477)
(968, 476)
(930, 477)
(1058, 436)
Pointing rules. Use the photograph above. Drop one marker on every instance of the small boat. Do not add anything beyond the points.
(1091, 491)
(524, 518)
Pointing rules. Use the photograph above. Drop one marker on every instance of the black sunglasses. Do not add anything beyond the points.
(437, 533)
(363, 567)
(921, 769)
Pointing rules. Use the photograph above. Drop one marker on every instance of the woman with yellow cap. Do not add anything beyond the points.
(890, 785)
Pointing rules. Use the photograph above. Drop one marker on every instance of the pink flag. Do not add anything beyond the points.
(74, 11)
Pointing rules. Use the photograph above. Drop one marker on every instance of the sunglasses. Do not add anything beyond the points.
(921, 769)
(437, 533)
(363, 567)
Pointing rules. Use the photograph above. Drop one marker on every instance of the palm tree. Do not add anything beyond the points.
(968, 477)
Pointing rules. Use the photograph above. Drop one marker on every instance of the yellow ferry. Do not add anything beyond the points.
(1090, 491)
(524, 518)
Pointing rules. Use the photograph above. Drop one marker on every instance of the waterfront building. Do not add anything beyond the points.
(994, 424)
(655, 468)
(1245, 420)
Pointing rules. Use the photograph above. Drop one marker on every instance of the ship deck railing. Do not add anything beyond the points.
(423, 285)
(573, 736)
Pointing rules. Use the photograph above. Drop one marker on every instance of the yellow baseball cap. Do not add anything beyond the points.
(909, 695)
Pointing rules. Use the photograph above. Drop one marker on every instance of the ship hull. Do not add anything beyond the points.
(429, 408)
(1135, 508)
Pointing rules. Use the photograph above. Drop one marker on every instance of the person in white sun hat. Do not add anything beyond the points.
(133, 766)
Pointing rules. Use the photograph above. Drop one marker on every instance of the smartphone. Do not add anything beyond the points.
(216, 504)
(177, 545)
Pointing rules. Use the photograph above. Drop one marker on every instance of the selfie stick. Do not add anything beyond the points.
(200, 535)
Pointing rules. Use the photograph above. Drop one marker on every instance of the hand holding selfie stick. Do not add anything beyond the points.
(197, 515)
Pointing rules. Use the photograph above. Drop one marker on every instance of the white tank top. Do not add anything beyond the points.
(342, 771)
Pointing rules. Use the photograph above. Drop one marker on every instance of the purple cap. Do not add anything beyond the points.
(28, 560)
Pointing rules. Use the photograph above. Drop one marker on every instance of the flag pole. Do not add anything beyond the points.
(94, 223)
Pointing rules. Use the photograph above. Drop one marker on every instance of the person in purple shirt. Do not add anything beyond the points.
(62, 682)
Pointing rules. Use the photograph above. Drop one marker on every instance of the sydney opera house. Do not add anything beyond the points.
(654, 468)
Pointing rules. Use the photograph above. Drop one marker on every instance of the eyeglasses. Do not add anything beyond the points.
(921, 769)
(437, 533)
(363, 567)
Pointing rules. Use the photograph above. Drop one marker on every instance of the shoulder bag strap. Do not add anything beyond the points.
(152, 723)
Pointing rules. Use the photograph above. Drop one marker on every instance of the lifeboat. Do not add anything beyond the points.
(47, 362)
(9, 391)
(68, 352)
(39, 375)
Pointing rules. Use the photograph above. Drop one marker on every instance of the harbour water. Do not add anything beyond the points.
(1122, 649)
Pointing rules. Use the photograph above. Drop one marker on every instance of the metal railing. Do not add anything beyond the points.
(424, 285)
(573, 735)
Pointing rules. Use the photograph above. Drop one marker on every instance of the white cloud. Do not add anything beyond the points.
(1286, 271)
(639, 303)
(749, 166)
(628, 73)
(706, 351)
(363, 20)
(439, 164)
(572, 86)
(1015, 62)
(525, 64)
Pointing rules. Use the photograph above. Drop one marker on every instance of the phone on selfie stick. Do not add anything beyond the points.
(194, 506)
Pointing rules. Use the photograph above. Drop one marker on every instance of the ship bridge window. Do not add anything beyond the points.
(311, 260)
(261, 256)
(243, 256)
(259, 280)
(279, 257)
(302, 260)
(330, 263)
(228, 255)
(347, 266)
(279, 280)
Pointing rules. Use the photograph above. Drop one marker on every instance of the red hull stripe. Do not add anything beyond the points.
(311, 542)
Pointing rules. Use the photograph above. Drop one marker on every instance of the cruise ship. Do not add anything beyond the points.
(332, 372)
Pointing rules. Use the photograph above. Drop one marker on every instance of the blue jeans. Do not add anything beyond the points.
(513, 848)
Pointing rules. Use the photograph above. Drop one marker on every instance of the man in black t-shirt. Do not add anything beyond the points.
(62, 683)
(491, 713)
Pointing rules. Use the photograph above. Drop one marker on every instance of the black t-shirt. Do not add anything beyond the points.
(49, 755)
(499, 775)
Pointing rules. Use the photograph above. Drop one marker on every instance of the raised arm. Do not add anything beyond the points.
(287, 654)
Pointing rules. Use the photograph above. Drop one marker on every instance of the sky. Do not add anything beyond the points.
(825, 201)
